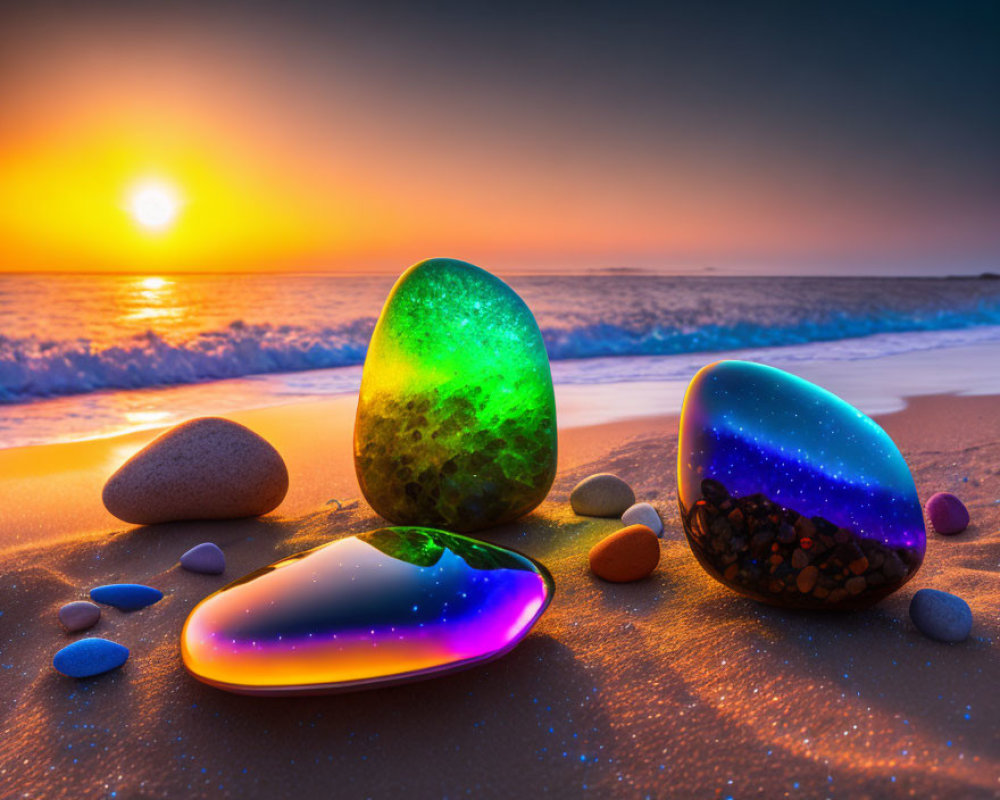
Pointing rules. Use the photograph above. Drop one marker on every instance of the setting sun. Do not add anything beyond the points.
(153, 205)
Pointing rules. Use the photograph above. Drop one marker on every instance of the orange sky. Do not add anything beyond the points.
(289, 158)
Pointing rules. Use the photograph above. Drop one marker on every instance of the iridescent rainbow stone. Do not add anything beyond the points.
(384, 607)
(456, 423)
(790, 495)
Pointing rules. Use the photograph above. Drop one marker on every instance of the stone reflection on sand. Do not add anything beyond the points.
(791, 496)
(388, 606)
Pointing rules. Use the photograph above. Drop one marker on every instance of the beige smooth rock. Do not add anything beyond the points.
(206, 468)
(601, 495)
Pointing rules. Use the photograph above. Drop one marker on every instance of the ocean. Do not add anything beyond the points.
(96, 355)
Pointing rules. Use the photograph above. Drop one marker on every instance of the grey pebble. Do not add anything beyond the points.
(602, 495)
(941, 616)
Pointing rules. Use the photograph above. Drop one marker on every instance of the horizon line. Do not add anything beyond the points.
(541, 271)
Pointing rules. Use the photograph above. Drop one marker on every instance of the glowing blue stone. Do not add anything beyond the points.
(792, 496)
(126, 596)
(88, 657)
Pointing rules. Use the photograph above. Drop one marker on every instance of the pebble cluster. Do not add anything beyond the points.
(92, 656)
(776, 555)
(630, 553)
(766, 550)
(206, 468)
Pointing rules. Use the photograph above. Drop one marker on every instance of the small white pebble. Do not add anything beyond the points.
(644, 514)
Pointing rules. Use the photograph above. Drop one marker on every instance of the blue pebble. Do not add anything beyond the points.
(205, 558)
(126, 596)
(88, 657)
(941, 616)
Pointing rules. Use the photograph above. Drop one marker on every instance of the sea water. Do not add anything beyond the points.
(93, 355)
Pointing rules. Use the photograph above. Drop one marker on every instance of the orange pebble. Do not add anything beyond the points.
(629, 554)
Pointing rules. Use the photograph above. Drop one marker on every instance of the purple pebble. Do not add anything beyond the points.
(205, 558)
(947, 513)
(79, 615)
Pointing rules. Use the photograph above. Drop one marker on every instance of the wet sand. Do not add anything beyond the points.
(672, 686)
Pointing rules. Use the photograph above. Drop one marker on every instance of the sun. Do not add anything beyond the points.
(153, 205)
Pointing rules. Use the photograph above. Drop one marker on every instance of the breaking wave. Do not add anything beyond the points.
(32, 368)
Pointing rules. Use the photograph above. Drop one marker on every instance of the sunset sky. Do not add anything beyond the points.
(763, 137)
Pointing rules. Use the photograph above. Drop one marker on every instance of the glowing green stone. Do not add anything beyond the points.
(456, 424)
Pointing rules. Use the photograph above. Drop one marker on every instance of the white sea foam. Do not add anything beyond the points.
(112, 354)
(580, 318)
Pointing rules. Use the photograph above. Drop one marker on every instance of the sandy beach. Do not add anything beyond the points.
(672, 686)
(510, 248)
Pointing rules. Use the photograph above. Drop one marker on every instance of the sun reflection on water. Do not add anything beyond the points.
(154, 283)
(152, 298)
(146, 418)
